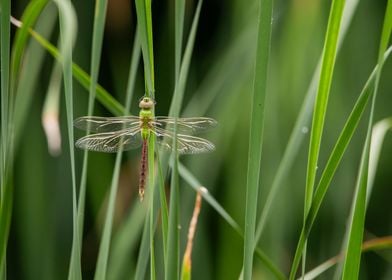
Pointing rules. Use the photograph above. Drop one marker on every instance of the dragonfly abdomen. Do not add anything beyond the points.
(143, 170)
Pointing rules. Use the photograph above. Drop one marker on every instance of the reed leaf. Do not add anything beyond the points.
(256, 131)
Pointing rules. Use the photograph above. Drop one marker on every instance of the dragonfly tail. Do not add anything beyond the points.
(143, 170)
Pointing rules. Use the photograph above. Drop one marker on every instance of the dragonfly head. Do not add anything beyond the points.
(146, 103)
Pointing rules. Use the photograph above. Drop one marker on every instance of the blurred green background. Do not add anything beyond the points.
(219, 86)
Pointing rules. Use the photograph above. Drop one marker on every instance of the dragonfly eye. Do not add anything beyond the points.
(146, 103)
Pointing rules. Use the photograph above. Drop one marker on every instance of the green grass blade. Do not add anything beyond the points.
(355, 233)
(171, 238)
(29, 18)
(321, 102)
(332, 164)
(103, 255)
(378, 135)
(179, 30)
(153, 213)
(164, 208)
(35, 55)
(181, 83)
(144, 251)
(124, 241)
(102, 263)
(256, 131)
(320, 107)
(5, 78)
(5, 215)
(143, 12)
(9, 78)
(98, 29)
(173, 242)
(67, 34)
(297, 136)
(172, 269)
(5, 188)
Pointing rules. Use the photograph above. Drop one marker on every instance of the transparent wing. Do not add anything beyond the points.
(110, 142)
(184, 125)
(186, 144)
(102, 124)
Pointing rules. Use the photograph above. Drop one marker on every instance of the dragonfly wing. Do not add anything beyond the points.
(186, 144)
(103, 124)
(110, 142)
(184, 125)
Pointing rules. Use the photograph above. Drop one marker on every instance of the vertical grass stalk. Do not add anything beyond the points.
(9, 80)
(353, 248)
(5, 200)
(98, 29)
(102, 263)
(68, 28)
(256, 131)
(320, 106)
(144, 19)
(172, 269)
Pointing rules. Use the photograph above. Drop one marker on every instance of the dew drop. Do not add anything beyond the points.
(305, 129)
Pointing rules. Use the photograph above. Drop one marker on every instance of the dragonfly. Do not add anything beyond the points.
(110, 134)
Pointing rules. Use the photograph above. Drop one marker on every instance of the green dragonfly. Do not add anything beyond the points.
(130, 132)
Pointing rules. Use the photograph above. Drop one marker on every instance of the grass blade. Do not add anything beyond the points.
(102, 263)
(378, 135)
(143, 12)
(5, 188)
(357, 223)
(173, 241)
(320, 106)
(172, 269)
(9, 78)
(256, 131)
(179, 30)
(332, 164)
(98, 29)
(5, 78)
(164, 208)
(68, 28)
(28, 77)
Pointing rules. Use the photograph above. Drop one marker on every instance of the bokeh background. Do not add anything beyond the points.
(219, 86)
